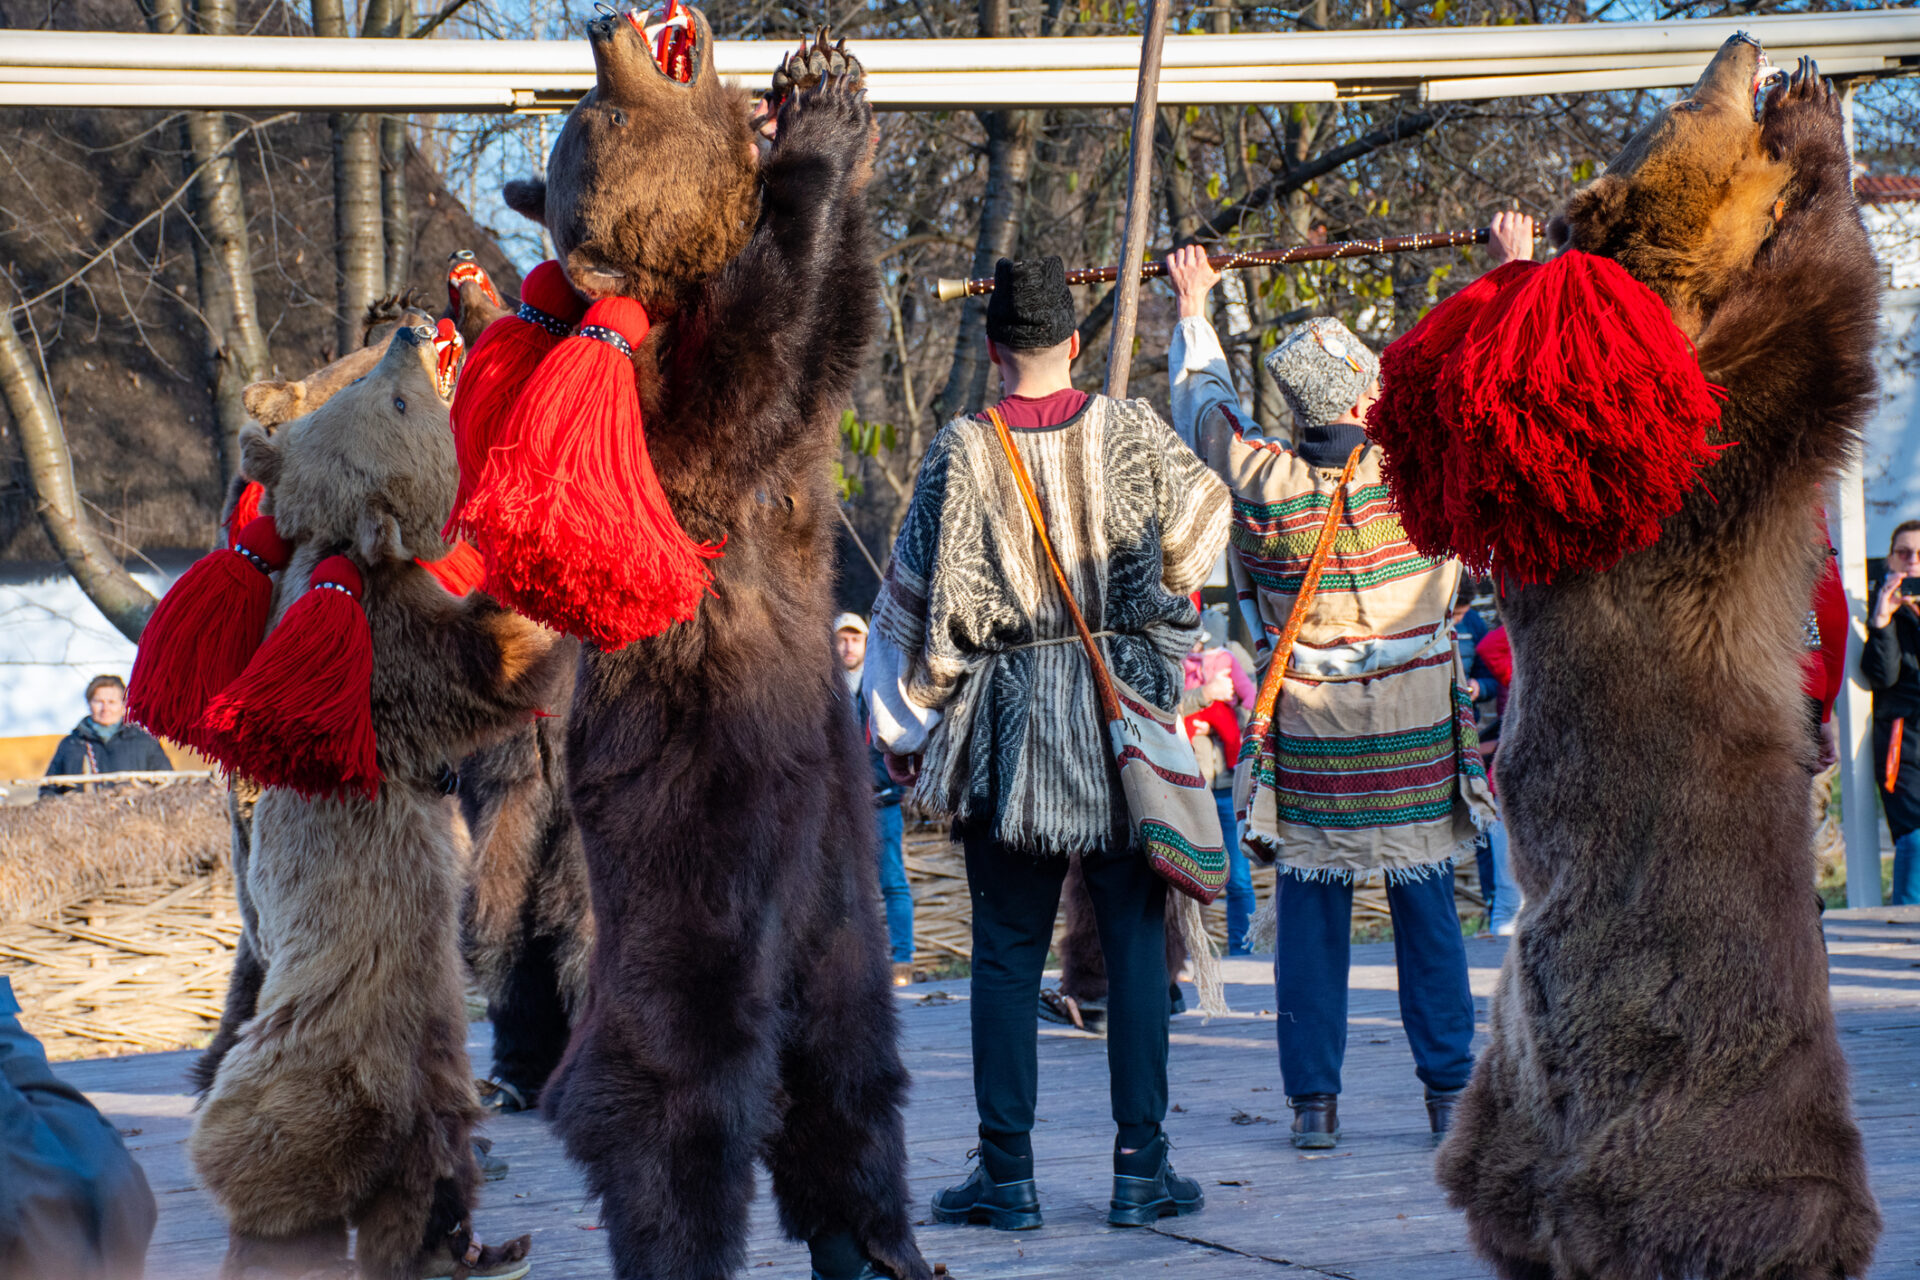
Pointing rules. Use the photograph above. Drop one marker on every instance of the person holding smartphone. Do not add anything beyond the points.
(1890, 662)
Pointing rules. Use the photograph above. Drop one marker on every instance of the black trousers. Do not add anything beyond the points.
(530, 1024)
(1015, 896)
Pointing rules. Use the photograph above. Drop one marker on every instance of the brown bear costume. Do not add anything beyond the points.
(739, 1004)
(1664, 1094)
(346, 1100)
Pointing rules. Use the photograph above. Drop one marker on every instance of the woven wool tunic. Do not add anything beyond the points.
(970, 623)
(1372, 769)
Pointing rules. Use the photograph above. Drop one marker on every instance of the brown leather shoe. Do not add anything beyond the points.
(1316, 1121)
(1440, 1103)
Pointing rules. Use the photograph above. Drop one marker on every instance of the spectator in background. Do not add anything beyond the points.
(1490, 677)
(1824, 667)
(103, 741)
(1890, 661)
(73, 1204)
(1219, 698)
(850, 645)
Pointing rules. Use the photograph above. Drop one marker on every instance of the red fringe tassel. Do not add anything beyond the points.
(1543, 421)
(204, 631)
(502, 359)
(576, 530)
(460, 571)
(301, 716)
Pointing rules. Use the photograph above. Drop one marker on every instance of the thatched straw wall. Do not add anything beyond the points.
(69, 847)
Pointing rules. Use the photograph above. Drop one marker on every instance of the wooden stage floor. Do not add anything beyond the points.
(1368, 1210)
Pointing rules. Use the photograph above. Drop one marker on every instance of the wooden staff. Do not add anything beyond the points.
(1133, 238)
(947, 288)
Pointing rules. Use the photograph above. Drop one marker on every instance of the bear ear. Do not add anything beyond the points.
(273, 402)
(1591, 215)
(380, 538)
(527, 197)
(260, 457)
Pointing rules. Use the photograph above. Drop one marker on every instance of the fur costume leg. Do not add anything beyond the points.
(528, 918)
(667, 1109)
(243, 983)
(839, 1157)
(348, 1095)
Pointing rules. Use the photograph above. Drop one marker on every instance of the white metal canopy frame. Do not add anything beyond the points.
(257, 73)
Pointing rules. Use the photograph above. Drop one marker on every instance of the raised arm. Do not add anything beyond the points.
(779, 339)
(1205, 405)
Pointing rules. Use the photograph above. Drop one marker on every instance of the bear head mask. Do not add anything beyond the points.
(653, 184)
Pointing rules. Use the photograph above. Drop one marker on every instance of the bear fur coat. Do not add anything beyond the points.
(739, 1005)
(346, 1100)
(1664, 1094)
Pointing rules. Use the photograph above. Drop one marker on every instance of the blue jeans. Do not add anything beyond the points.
(1310, 967)
(1906, 870)
(1239, 878)
(1504, 898)
(894, 889)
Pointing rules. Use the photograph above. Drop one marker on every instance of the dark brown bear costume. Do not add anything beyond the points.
(1664, 1095)
(739, 1003)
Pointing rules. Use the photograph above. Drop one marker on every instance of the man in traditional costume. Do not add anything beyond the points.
(1368, 771)
(975, 664)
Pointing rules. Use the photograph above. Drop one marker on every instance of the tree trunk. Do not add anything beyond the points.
(235, 345)
(359, 263)
(43, 441)
(1009, 163)
(396, 222)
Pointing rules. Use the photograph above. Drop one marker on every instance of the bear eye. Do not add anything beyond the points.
(400, 403)
(619, 116)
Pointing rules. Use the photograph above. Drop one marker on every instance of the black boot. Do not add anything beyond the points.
(1316, 1121)
(1440, 1104)
(1000, 1193)
(836, 1256)
(1146, 1189)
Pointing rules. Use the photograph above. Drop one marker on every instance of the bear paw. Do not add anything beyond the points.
(1801, 121)
(806, 68)
(831, 119)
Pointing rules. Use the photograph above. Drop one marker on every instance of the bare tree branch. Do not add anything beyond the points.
(126, 603)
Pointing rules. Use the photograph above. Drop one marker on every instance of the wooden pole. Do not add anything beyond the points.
(1133, 240)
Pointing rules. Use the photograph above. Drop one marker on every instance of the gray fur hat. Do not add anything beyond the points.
(1322, 369)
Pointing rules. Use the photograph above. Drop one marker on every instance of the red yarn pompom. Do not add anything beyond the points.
(1543, 421)
(204, 631)
(575, 528)
(246, 509)
(503, 357)
(301, 716)
(460, 571)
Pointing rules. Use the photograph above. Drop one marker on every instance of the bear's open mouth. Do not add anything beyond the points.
(465, 268)
(447, 344)
(672, 34)
(1764, 74)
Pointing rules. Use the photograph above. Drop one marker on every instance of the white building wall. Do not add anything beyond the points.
(1892, 461)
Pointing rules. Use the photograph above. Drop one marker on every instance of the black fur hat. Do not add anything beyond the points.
(1030, 307)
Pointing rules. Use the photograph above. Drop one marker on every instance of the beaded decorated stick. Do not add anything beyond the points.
(947, 289)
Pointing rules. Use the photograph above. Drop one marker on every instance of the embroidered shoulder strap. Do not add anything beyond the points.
(1102, 682)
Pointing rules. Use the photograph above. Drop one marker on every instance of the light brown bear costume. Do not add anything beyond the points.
(739, 1004)
(347, 1100)
(1664, 1094)
(272, 403)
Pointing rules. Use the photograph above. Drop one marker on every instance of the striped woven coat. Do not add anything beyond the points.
(1371, 769)
(970, 623)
